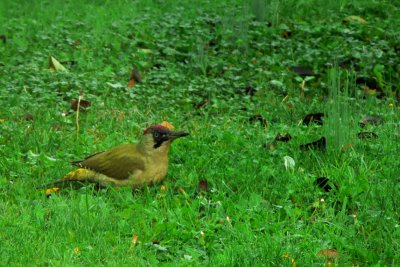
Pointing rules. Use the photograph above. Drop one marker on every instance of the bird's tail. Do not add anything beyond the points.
(73, 179)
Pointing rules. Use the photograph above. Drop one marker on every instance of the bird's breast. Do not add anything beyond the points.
(155, 170)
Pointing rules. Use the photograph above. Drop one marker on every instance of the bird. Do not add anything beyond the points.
(135, 165)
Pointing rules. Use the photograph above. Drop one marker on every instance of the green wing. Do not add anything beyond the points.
(119, 162)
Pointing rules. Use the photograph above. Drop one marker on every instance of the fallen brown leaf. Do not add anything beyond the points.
(319, 144)
(316, 118)
(134, 78)
(285, 137)
(83, 105)
(347, 147)
(167, 125)
(134, 239)
(28, 117)
(200, 104)
(202, 186)
(286, 34)
(259, 118)
(328, 253)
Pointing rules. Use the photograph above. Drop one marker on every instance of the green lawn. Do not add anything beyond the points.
(222, 70)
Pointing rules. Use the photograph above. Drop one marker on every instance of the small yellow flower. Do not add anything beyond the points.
(76, 250)
(134, 239)
(286, 255)
(293, 261)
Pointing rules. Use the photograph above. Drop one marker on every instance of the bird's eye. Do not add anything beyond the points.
(156, 134)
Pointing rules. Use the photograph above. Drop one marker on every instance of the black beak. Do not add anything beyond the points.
(175, 135)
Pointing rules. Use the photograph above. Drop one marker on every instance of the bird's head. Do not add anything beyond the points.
(160, 135)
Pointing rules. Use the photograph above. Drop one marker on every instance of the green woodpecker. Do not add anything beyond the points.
(127, 165)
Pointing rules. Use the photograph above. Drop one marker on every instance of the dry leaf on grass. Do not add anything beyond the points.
(356, 19)
(167, 125)
(134, 239)
(54, 64)
(330, 253)
(83, 104)
(134, 78)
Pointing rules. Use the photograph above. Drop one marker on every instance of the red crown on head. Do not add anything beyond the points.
(155, 128)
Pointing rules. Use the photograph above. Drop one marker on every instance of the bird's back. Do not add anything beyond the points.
(119, 162)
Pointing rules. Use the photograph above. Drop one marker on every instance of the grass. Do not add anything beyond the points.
(255, 212)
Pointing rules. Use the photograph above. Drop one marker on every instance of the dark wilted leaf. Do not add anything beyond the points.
(373, 120)
(202, 186)
(28, 117)
(213, 42)
(367, 135)
(201, 104)
(260, 119)
(158, 65)
(319, 144)
(370, 82)
(325, 184)
(302, 71)
(285, 137)
(248, 90)
(316, 118)
(3, 38)
(83, 104)
(286, 34)
(134, 78)
(349, 63)
(70, 63)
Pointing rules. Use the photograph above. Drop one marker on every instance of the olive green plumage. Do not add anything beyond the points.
(119, 162)
(129, 164)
